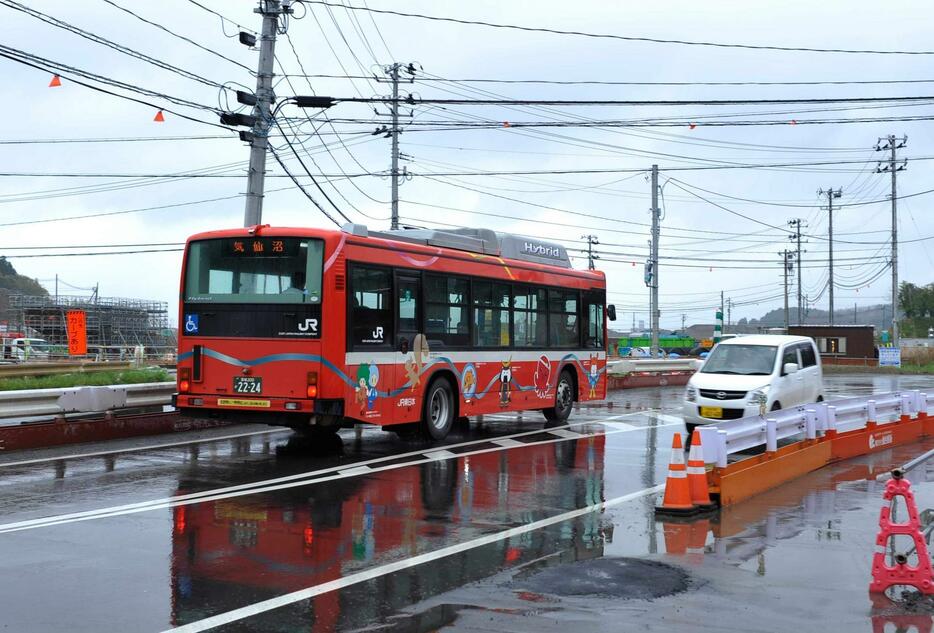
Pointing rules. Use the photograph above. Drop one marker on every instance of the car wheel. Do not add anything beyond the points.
(438, 416)
(564, 399)
(820, 398)
(776, 406)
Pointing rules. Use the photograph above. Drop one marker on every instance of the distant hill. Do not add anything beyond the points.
(12, 282)
(877, 315)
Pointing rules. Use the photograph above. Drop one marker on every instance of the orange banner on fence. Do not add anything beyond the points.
(77, 333)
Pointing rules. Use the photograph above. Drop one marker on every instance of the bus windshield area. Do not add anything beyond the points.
(254, 270)
(742, 360)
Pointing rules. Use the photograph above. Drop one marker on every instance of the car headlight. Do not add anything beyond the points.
(690, 394)
(760, 397)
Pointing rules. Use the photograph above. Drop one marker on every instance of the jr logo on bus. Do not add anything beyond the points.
(309, 325)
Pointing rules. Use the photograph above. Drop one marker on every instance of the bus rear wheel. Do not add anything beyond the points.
(564, 399)
(438, 416)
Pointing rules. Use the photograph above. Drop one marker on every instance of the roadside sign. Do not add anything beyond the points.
(890, 357)
(77, 332)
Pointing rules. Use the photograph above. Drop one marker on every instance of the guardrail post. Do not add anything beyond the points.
(906, 407)
(810, 424)
(831, 422)
(923, 403)
(721, 449)
(915, 402)
(871, 416)
(771, 435)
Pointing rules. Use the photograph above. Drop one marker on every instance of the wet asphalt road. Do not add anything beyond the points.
(507, 526)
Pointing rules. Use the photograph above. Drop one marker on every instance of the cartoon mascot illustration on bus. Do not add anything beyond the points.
(505, 377)
(594, 376)
(542, 377)
(365, 393)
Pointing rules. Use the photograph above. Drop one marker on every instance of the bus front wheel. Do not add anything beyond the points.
(439, 413)
(564, 399)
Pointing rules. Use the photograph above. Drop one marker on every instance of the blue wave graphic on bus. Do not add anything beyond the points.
(314, 358)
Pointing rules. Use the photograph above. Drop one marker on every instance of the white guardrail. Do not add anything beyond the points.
(635, 365)
(45, 402)
(811, 420)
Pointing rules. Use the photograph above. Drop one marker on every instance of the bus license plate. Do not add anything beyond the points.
(248, 384)
(710, 412)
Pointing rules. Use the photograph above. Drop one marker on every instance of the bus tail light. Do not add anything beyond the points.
(184, 376)
(312, 389)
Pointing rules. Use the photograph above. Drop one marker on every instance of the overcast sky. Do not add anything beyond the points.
(338, 41)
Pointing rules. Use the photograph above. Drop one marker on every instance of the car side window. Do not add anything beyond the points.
(790, 356)
(808, 358)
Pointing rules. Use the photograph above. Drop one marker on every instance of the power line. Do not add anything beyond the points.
(178, 36)
(598, 82)
(411, 100)
(624, 38)
(48, 19)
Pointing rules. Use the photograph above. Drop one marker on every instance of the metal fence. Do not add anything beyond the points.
(809, 421)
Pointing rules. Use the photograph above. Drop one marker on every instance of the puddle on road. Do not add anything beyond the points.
(626, 578)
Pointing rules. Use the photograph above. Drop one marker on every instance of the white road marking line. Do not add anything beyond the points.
(571, 435)
(389, 568)
(136, 449)
(508, 443)
(350, 472)
(662, 417)
(180, 501)
(442, 454)
(622, 425)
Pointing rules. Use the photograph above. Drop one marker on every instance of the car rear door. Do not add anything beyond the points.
(790, 386)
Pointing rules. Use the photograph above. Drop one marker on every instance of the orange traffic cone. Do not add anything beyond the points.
(677, 500)
(697, 474)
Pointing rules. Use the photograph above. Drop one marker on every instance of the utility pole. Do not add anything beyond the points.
(787, 266)
(892, 144)
(591, 242)
(684, 319)
(394, 73)
(718, 326)
(653, 263)
(831, 195)
(798, 224)
(729, 312)
(262, 109)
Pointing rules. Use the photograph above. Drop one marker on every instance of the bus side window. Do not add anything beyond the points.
(594, 313)
(371, 307)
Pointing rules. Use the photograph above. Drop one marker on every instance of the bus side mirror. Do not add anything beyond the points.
(611, 312)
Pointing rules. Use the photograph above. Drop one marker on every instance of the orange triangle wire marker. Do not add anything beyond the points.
(692, 125)
(159, 118)
(56, 81)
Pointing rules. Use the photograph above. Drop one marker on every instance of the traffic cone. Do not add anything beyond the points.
(677, 500)
(697, 474)
(56, 81)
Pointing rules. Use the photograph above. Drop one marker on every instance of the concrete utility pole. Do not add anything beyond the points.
(798, 224)
(591, 242)
(262, 111)
(684, 319)
(892, 144)
(787, 257)
(394, 72)
(656, 212)
(831, 195)
(729, 313)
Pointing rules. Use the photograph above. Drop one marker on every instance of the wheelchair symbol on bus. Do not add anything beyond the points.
(191, 324)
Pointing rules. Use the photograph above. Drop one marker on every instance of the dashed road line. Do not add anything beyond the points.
(565, 433)
(442, 454)
(508, 443)
(351, 472)
(292, 481)
(137, 449)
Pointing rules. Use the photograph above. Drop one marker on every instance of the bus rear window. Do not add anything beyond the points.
(254, 270)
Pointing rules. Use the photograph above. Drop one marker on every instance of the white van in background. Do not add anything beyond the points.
(20, 350)
(747, 375)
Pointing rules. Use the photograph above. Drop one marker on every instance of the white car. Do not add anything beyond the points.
(750, 375)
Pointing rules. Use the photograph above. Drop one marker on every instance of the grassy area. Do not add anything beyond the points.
(62, 381)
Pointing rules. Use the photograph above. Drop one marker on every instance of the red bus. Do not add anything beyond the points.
(409, 329)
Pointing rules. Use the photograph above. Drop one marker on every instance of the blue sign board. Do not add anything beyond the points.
(890, 357)
(191, 324)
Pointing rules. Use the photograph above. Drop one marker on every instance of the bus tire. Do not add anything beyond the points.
(439, 412)
(564, 399)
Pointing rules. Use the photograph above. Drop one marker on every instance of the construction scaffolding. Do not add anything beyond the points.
(112, 323)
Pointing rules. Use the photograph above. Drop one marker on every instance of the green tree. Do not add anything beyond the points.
(14, 283)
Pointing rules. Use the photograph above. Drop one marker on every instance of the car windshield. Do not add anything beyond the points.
(743, 360)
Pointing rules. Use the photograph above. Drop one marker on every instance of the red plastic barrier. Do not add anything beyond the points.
(920, 576)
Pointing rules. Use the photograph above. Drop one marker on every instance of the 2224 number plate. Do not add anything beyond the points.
(248, 384)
